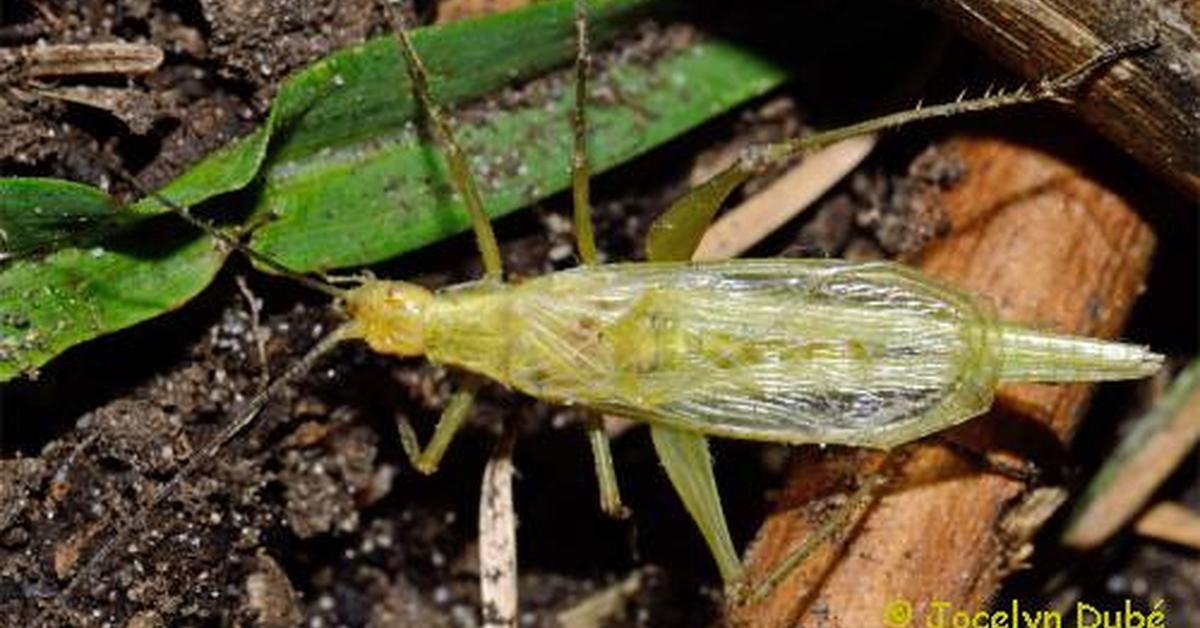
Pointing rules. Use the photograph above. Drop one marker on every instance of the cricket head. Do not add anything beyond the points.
(389, 316)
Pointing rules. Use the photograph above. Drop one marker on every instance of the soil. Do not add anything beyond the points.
(314, 516)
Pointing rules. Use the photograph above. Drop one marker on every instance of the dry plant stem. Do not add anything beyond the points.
(1172, 522)
(1149, 106)
(498, 536)
(1052, 249)
(254, 307)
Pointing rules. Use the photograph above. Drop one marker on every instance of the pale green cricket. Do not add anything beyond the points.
(785, 350)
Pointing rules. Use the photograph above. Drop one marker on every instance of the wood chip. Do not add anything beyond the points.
(134, 108)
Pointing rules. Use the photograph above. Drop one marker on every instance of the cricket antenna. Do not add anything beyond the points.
(228, 241)
(126, 527)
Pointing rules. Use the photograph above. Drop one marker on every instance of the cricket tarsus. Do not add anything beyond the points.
(1074, 80)
(1025, 471)
(455, 413)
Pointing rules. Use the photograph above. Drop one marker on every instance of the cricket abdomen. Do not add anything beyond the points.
(785, 350)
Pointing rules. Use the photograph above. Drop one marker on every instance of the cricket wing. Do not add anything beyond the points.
(802, 351)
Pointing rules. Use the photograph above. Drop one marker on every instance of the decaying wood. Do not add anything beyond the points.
(1149, 105)
(1053, 249)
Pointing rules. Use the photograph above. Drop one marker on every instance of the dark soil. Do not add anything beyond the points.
(314, 516)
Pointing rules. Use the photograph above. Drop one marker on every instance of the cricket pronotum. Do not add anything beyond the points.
(785, 350)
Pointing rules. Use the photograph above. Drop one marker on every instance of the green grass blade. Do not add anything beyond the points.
(368, 203)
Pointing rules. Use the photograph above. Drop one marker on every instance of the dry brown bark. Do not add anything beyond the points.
(1149, 105)
(1052, 249)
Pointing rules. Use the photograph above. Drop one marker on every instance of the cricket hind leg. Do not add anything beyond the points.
(685, 457)
(676, 234)
(843, 517)
(684, 454)
(874, 480)
(1036, 457)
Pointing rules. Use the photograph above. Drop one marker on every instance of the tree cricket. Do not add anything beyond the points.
(794, 351)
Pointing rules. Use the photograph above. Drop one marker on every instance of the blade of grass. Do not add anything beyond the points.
(368, 203)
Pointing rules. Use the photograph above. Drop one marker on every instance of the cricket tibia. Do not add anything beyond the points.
(1034, 356)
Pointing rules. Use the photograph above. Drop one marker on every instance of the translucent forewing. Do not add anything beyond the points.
(786, 350)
